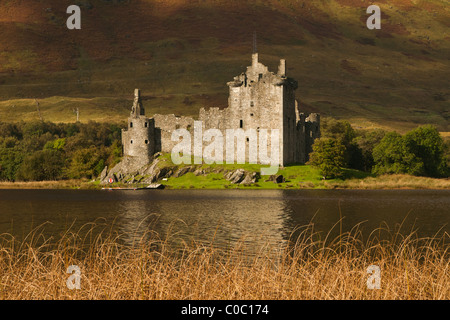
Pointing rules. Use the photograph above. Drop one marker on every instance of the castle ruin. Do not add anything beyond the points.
(258, 99)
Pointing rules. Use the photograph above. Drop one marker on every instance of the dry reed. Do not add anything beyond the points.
(395, 181)
(314, 266)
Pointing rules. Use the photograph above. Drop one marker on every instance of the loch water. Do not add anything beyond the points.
(224, 216)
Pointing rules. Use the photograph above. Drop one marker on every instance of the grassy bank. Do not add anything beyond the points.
(312, 267)
(298, 177)
(216, 181)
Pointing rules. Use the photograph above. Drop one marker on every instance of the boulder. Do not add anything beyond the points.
(277, 178)
(236, 176)
(250, 178)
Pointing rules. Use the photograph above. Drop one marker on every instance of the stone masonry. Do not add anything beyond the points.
(258, 99)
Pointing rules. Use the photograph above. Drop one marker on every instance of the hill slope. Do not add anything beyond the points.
(181, 53)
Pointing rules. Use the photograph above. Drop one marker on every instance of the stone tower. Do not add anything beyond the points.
(138, 140)
(260, 99)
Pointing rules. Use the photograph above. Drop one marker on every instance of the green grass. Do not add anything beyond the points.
(306, 177)
(296, 176)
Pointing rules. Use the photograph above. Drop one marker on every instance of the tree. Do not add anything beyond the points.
(86, 163)
(42, 165)
(10, 158)
(57, 144)
(328, 157)
(338, 129)
(392, 155)
(39, 150)
(367, 140)
(427, 145)
(447, 157)
(343, 131)
(420, 152)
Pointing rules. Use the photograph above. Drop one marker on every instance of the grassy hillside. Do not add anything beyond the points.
(181, 53)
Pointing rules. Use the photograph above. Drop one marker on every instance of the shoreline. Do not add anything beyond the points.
(386, 182)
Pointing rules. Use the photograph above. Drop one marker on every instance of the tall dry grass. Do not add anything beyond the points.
(395, 181)
(314, 266)
(49, 184)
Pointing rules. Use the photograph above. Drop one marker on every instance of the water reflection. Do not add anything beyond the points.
(255, 217)
(212, 216)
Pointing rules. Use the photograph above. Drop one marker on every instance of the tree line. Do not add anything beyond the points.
(37, 150)
(419, 152)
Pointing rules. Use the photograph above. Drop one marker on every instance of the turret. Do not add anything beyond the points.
(254, 60)
(138, 108)
(282, 68)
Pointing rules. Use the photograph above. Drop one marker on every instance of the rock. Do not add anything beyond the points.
(237, 176)
(217, 170)
(162, 173)
(151, 169)
(277, 178)
(147, 180)
(199, 172)
(182, 172)
(104, 173)
(250, 178)
(228, 175)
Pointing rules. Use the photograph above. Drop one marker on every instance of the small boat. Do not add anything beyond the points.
(151, 186)
(155, 186)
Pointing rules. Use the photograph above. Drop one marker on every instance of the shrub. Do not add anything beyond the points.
(328, 157)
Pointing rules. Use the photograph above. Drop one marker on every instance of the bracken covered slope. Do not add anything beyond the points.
(181, 53)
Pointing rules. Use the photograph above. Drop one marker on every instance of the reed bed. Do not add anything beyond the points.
(49, 184)
(312, 265)
(395, 181)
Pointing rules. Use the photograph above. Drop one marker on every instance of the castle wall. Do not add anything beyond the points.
(168, 123)
(258, 100)
(289, 125)
(312, 132)
(213, 118)
(300, 139)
